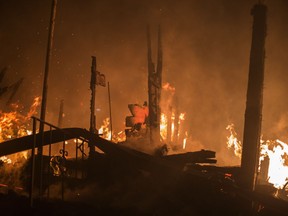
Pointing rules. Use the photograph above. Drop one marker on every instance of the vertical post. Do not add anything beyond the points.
(110, 111)
(45, 88)
(154, 90)
(76, 158)
(92, 102)
(49, 171)
(64, 154)
(253, 112)
(32, 164)
(47, 64)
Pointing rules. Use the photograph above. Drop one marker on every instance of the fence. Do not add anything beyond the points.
(49, 165)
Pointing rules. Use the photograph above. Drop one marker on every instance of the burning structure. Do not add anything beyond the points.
(126, 180)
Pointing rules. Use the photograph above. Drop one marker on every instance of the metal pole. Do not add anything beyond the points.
(110, 111)
(47, 64)
(45, 86)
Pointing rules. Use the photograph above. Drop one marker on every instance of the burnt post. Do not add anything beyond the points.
(92, 128)
(154, 90)
(47, 66)
(97, 78)
(45, 90)
(254, 102)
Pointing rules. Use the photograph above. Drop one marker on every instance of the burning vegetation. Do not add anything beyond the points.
(15, 124)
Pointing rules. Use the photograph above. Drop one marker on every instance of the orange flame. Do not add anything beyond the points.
(233, 142)
(13, 124)
(277, 152)
(168, 87)
(106, 133)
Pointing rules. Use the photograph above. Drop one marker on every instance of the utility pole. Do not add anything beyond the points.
(47, 66)
(154, 89)
(96, 79)
(92, 102)
(254, 101)
(44, 92)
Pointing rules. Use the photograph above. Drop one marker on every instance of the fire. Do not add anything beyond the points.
(167, 86)
(107, 134)
(185, 139)
(181, 117)
(233, 142)
(175, 128)
(163, 126)
(275, 150)
(13, 124)
(104, 129)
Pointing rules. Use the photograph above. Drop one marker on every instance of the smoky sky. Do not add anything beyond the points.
(206, 51)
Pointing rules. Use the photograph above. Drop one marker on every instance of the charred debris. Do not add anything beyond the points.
(108, 178)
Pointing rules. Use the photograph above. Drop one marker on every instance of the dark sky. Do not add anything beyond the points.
(206, 45)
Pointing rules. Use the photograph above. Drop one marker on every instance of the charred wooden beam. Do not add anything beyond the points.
(203, 156)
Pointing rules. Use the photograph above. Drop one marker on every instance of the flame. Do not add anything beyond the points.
(14, 124)
(185, 139)
(181, 117)
(164, 127)
(233, 142)
(6, 160)
(167, 86)
(275, 150)
(104, 129)
(106, 133)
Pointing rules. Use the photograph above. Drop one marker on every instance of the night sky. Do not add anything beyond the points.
(206, 45)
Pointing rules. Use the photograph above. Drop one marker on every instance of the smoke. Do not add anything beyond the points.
(206, 47)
